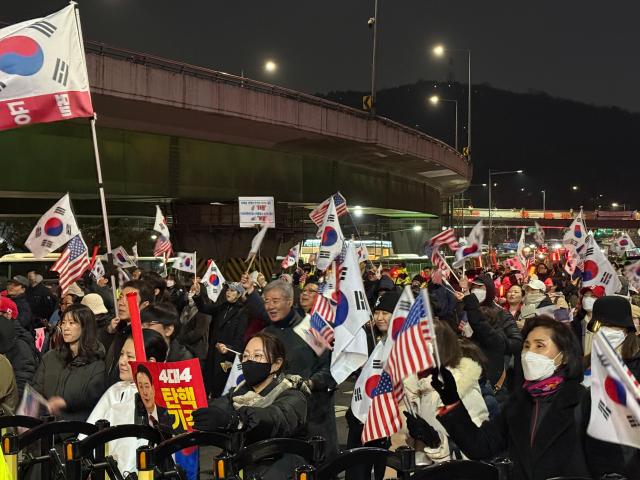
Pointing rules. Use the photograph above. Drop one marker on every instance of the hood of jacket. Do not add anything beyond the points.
(466, 374)
(491, 289)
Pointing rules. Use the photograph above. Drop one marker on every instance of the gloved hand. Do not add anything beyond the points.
(447, 388)
(420, 429)
(211, 418)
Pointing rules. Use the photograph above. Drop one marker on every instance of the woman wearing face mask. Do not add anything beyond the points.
(494, 329)
(71, 376)
(582, 317)
(267, 404)
(543, 428)
(118, 404)
(534, 298)
(612, 316)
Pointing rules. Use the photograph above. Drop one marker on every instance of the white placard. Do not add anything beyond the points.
(257, 211)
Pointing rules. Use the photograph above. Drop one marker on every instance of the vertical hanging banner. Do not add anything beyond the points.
(170, 392)
(257, 211)
(43, 74)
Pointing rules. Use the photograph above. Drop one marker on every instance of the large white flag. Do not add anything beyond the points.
(473, 247)
(257, 242)
(331, 240)
(54, 229)
(576, 236)
(367, 382)
(213, 281)
(185, 262)
(350, 349)
(235, 376)
(160, 225)
(538, 236)
(43, 75)
(622, 244)
(597, 270)
(520, 249)
(615, 397)
(121, 258)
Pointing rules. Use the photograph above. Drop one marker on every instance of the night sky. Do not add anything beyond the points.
(583, 50)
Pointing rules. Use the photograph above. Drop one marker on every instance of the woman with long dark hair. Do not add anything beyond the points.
(72, 376)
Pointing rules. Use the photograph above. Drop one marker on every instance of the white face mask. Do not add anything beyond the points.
(536, 366)
(614, 336)
(587, 303)
(480, 294)
(170, 283)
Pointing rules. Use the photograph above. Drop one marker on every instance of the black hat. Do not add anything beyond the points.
(385, 283)
(387, 302)
(613, 311)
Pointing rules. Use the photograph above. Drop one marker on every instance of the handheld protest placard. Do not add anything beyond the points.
(136, 326)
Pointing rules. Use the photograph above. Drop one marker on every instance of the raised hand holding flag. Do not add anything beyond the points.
(213, 281)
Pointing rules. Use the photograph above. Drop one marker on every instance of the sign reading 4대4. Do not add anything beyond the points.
(170, 392)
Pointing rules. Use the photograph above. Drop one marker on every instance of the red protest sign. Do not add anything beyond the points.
(170, 392)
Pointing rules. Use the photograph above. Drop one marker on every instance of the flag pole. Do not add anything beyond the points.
(449, 267)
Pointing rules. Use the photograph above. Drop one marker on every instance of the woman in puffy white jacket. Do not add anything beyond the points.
(426, 434)
(118, 404)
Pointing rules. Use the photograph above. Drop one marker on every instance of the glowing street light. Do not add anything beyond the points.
(438, 50)
(434, 99)
(417, 228)
(575, 187)
(357, 211)
(270, 66)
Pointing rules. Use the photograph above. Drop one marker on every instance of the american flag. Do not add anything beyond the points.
(446, 237)
(411, 351)
(73, 262)
(322, 317)
(163, 247)
(383, 419)
(318, 213)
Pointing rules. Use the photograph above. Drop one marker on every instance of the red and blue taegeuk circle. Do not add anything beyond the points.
(615, 391)
(329, 236)
(53, 227)
(590, 270)
(214, 280)
(121, 258)
(396, 326)
(577, 231)
(473, 248)
(187, 261)
(20, 55)
(371, 384)
(342, 309)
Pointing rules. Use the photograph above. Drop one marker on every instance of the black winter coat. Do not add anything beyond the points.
(491, 339)
(18, 346)
(286, 417)
(41, 301)
(228, 323)
(554, 448)
(302, 360)
(178, 352)
(25, 316)
(80, 383)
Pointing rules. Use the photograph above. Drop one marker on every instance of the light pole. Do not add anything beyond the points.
(439, 51)
(373, 22)
(544, 201)
(491, 174)
(434, 100)
(616, 205)
(269, 67)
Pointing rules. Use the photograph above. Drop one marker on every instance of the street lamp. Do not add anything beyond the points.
(417, 228)
(435, 100)
(492, 173)
(574, 188)
(270, 66)
(616, 205)
(544, 200)
(439, 51)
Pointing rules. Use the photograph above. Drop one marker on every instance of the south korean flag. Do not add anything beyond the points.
(367, 381)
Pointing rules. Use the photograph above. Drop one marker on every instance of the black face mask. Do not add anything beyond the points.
(255, 372)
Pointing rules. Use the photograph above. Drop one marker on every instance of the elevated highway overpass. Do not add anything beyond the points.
(194, 138)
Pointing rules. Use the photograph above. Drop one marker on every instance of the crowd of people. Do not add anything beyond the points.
(514, 349)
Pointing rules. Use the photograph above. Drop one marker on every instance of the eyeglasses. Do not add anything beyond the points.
(256, 357)
(273, 301)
